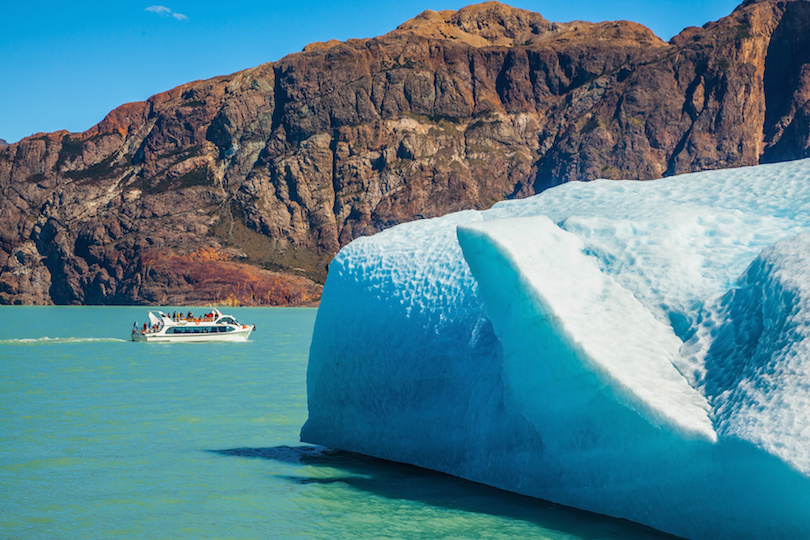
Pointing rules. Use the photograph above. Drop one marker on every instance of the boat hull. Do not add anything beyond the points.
(161, 337)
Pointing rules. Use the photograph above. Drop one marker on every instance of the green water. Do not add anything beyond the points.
(101, 437)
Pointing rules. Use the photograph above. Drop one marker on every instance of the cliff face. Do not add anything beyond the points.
(241, 188)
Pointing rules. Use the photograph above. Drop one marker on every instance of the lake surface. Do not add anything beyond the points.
(103, 437)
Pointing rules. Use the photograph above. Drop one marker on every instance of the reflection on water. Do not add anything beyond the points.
(397, 481)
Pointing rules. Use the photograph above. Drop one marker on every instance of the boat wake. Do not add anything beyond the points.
(34, 341)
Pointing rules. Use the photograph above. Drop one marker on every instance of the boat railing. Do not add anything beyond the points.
(176, 318)
(179, 317)
(146, 329)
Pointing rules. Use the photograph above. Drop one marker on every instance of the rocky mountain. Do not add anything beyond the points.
(241, 188)
(3, 142)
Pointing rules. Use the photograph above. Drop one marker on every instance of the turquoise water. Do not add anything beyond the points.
(101, 437)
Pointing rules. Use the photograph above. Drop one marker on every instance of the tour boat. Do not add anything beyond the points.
(186, 328)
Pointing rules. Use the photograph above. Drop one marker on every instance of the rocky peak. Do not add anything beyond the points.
(495, 24)
(480, 25)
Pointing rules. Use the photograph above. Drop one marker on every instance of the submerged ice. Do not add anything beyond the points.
(638, 349)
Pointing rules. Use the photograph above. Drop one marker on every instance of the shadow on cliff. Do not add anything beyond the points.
(787, 87)
(398, 481)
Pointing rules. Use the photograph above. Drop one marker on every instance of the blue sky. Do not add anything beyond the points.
(65, 65)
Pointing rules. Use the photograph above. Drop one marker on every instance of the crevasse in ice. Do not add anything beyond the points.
(638, 349)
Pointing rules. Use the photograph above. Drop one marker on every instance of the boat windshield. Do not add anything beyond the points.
(227, 320)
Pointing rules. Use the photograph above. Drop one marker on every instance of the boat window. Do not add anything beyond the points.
(227, 320)
(199, 329)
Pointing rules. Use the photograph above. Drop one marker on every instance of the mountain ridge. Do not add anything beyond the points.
(275, 167)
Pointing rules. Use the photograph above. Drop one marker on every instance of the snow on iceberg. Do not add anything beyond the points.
(638, 349)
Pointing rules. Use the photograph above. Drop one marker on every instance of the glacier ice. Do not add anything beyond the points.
(638, 349)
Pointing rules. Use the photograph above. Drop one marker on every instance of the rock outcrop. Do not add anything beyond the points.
(241, 188)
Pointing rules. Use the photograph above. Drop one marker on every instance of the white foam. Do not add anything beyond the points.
(39, 340)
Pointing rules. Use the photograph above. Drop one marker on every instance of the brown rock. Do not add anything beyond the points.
(274, 168)
(208, 277)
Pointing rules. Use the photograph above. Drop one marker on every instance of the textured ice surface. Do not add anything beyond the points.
(633, 348)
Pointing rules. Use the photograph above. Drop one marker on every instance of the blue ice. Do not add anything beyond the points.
(638, 349)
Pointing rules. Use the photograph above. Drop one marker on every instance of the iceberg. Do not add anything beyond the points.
(637, 349)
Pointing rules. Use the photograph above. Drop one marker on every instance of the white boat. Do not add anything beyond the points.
(177, 328)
